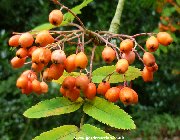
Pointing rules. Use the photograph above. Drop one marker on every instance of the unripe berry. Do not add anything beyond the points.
(130, 57)
(154, 68)
(22, 52)
(69, 83)
(26, 40)
(22, 82)
(44, 38)
(17, 62)
(122, 66)
(164, 38)
(44, 87)
(81, 60)
(14, 41)
(82, 82)
(36, 87)
(126, 45)
(152, 44)
(90, 92)
(103, 87)
(58, 57)
(56, 17)
(148, 59)
(108, 54)
(112, 94)
(70, 63)
(147, 75)
(45, 56)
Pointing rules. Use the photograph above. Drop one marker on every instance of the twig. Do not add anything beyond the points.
(91, 62)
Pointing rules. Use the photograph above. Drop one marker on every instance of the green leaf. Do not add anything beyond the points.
(55, 106)
(108, 113)
(68, 17)
(100, 73)
(89, 131)
(66, 132)
(66, 74)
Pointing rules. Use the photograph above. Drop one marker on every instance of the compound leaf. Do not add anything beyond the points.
(108, 113)
(100, 73)
(55, 106)
(66, 132)
(91, 132)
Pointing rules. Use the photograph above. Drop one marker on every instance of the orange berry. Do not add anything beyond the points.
(122, 66)
(14, 41)
(70, 63)
(81, 60)
(22, 82)
(31, 50)
(46, 75)
(37, 67)
(108, 54)
(35, 55)
(69, 83)
(152, 44)
(120, 86)
(103, 87)
(26, 40)
(164, 38)
(153, 68)
(56, 17)
(63, 91)
(27, 90)
(73, 94)
(130, 57)
(90, 92)
(148, 59)
(17, 62)
(126, 45)
(112, 94)
(22, 52)
(82, 82)
(44, 38)
(58, 57)
(36, 87)
(45, 56)
(147, 75)
(55, 71)
(44, 87)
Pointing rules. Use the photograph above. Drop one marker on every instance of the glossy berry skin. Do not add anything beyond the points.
(69, 83)
(21, 53)
(14, 41)
(152, 44)
(154, 68)
(70, 63)
(22, 82)
(103, 87)
(108, 54)
(164, 38)
(148, 59)
(44, 87)
(90, 92)
(44, 38)
(82, 82)
(126, 45)
(58, 57)
(45, 56)
(130, 57)
(26, 40)
(56, 17)
(36, 87)
(122, 66)
(112, 94)
(81, 60)
(128, 96)
(147, 75)
(17, 62)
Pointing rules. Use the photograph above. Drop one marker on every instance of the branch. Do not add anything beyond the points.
(115, 23)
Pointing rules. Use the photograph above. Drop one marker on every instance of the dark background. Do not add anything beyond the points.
(158, 110)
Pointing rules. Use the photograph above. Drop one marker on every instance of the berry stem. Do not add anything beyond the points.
(91, 62)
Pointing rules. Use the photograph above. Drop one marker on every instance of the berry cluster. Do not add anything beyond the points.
(45, 49)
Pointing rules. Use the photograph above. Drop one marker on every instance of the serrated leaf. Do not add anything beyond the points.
(89, 131)
(55, 106)
(66, 74)
(100, 73)
(108, 113)
(68, 17)
(66, 132)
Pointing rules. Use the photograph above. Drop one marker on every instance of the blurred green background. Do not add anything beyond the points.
(157, 114)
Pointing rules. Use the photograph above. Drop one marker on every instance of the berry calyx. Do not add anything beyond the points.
(22, 52)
